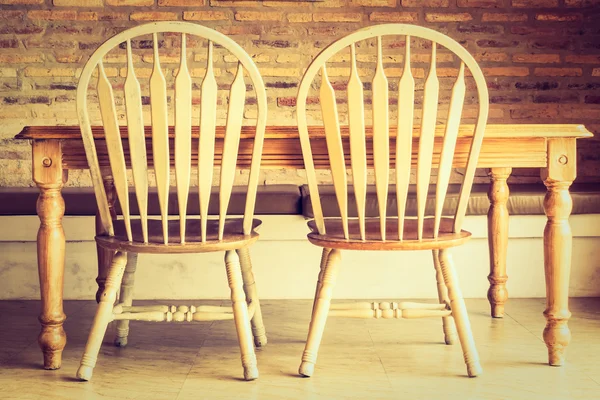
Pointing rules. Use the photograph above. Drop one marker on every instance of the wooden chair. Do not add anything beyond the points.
(130, 236)
(429, 230)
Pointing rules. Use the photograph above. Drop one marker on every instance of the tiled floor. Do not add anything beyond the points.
(359, 359)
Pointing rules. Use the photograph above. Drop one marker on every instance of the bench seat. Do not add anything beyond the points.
(524, 199)
(270, 199)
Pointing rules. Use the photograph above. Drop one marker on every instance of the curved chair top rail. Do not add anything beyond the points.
(183, 122)
(381, 124)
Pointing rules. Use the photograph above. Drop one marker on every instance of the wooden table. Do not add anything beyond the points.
(548, 147)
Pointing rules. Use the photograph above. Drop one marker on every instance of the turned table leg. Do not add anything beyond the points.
(105, 256)
(48, 176)
(558, 243)
(498, 239)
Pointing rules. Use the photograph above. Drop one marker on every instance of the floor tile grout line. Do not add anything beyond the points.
(389, 380)
(540, 339)
(193, 363)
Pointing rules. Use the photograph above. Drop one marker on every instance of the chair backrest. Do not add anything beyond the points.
(208, 155)
(382, 141)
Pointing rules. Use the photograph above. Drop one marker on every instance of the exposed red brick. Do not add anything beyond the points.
(258, 16)
(9, 43)
(235, 3)
(480, 3)
(153, 16)
(558, 17)
(503, 17)
(394, 16)
(298, 5)
(541, 112)
(582, 3)
(488, 56)
(206, 15)
(337, 17)
(286, 101)
(534, 3)
(15, 2)
(373, 3)
(592, 99)
(11, 15)
(20, 29)
(550, 44)
(181, 3)
(78, 3)
(276, 44)
(583, 59)
(533, 30)
(425, 3)
(579, 112)
(557, 72)
(536, 58)
(130, 2)
(443, 17)
(299, 17)
(48, 15)
(547, 85)
(240, 30)
(497, 43)
(553, 98)
(112, 16)
(506, 71)
(505, 99)
(584, 86)
(21, 58)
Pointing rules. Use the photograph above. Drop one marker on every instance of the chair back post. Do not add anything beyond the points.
(182, 133)
(381, 132)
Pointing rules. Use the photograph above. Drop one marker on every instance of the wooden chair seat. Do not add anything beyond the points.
(233, 237)
(334, 236)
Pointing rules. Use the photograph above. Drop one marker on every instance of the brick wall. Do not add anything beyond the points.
(541, 57)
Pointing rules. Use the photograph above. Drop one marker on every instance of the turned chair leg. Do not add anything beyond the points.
(320, 311)
(240, 315)
(450, 336)
(324, 256)
(258, 328)
(103, 316)
(459, 312)
(126, 298)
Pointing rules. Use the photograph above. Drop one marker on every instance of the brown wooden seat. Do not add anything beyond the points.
(334, 238)
(233, 237)
(188, 231)
(424, 224)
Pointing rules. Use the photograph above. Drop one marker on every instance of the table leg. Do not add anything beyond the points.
(558, 243)
(48, 176)
(498, 239)
(105, 256)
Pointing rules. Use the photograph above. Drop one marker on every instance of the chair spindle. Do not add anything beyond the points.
(206, 144)
(137, 141)
(183, 135)
(114, 144)
(358, 151)
(381, 138)
(160, 137)
(235, 114)
(452, 124)
(426, 140)
(406, 107)
(334, 146)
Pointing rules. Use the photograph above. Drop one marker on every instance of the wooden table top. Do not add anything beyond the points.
(504, 145)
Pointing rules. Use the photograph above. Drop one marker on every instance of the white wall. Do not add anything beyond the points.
(286, 265)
